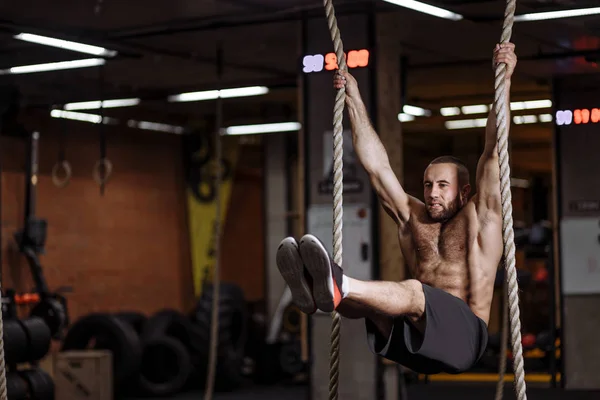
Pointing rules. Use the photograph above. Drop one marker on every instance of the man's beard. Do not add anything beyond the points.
(446, 212)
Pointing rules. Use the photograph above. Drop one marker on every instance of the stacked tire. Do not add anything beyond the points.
(27, 341)
(168, 352)
(232, 335)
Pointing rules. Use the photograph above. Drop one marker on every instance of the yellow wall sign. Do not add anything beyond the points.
(201, 194)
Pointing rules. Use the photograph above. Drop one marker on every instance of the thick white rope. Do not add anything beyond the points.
(502, 128)
(504, 341)
(338, 188)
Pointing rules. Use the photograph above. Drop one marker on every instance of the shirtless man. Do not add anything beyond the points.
(436, 322)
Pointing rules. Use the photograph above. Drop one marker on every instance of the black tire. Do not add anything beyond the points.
(16, 387)
(135, 319)
(170, 323)
(233, 327)
(166, 366)
(41, 385)
(39, 337)
(109, 333)
(15, 342)
(53, 312)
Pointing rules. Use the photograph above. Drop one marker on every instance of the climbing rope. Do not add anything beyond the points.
(503, 343)
(214, 324)
(338, 188)
(502, 124)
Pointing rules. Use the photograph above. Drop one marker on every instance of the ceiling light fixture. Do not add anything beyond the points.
(66, 44)
(96, 104)
(262, 128)
(416, 111)
(475, 109)
(450, 111)
(155, 126)
(402, 117)
(224, 94)
(77, 116)
(466, 123)
(55, 66)
(481, 122)
(427, 9)
(483, 108)
(580, 12)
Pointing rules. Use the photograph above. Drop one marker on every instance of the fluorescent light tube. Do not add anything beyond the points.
(525, 119)
(580, 12)
(402, 117)
(475, 109)
(96, 104)
(66, 44)
(55, 66)
(155, 126)
(416, 111)
(449, 111)
(520, 183)
(466, 123)
(262, 128)
(77, 116)
(530, 105)
(224, 94)
(427, 9)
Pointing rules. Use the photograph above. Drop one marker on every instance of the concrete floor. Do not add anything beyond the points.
(430, 391)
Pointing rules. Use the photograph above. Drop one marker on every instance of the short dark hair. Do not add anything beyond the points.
(463, 171)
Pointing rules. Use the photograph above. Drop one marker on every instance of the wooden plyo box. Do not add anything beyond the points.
(84, 374)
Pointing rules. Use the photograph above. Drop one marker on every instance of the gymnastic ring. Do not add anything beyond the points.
(107, 164)
(66, 167)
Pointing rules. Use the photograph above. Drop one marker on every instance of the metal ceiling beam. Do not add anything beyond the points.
(132, 50)
(591, 54)
(252, 4)
(240, 20)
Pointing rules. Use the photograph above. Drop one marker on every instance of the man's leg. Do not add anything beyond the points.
(353, 310)
(376, 300)
(390, 299)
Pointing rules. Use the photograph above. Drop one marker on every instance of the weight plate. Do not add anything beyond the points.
(38, 337)
(41, 385)
(16, 387)
(15, 342)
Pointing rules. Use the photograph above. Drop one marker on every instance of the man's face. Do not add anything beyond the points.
(442, 192)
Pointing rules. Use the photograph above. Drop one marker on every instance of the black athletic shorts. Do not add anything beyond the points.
(453, 341)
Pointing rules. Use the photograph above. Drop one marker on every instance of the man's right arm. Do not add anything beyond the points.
(374, 159)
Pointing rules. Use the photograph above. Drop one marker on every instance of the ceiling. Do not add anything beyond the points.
(168, 47)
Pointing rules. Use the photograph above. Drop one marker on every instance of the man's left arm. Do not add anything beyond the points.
(488, 199)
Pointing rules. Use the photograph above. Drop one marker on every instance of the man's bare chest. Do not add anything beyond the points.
(436, 243)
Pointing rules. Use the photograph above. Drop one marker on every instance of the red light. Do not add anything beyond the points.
(358, 58)
(595, 115)
(577, 116)
(585, 115)
(331, 61)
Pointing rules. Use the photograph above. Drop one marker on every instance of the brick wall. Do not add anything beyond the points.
(126, 249)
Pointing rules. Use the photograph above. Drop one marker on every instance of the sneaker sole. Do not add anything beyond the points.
(291, 267)
(317, 262)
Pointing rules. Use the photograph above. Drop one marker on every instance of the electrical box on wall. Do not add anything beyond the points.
(356, 239)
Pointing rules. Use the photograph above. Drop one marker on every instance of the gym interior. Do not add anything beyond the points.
(154, 155)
